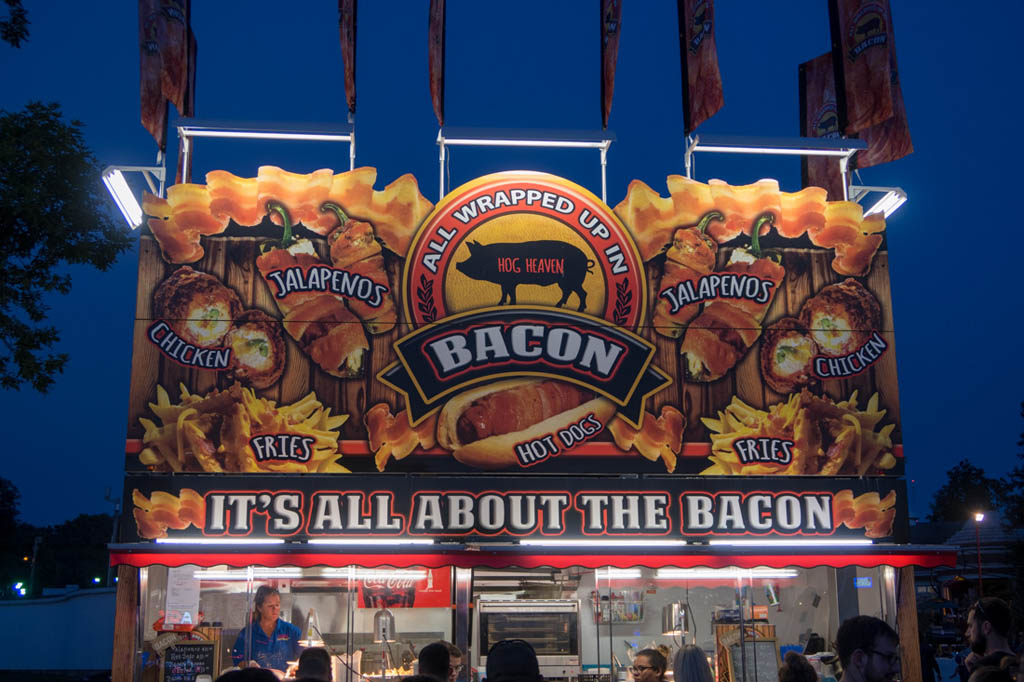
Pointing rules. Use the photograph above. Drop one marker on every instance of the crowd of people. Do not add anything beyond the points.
(867, 649)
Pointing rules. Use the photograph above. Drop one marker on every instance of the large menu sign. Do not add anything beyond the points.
(309, 323)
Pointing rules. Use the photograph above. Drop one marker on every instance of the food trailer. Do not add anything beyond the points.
(518, 412)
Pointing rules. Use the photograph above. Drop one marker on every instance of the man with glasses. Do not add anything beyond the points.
(455, 664)
(868, 650)
(988, 624)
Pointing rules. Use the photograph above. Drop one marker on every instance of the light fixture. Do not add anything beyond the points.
(220, 541)
(371, 541)
(729, 573)
(243, 574)
(795, 543)
(892, 198)
(123, 197)
(312, 633)
(606, 543)
(979, 516)
(383, 624)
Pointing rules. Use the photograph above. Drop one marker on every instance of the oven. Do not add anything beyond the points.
(552, 626)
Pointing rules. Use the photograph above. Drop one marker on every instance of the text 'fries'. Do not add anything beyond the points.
(233, 431)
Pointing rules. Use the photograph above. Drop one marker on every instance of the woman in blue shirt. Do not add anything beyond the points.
(274, 641)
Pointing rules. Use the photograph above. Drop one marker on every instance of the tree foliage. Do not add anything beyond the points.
(14, 29)
(1014, 512)
(53, 213)
(967, 489)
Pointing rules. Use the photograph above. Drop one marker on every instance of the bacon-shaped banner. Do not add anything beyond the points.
(611, 25)
(438, 360)
(702, 80)
(838, 225)
(192, 211)
(819, 117)
(347, 31)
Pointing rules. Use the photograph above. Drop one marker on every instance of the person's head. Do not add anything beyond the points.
(248, 675)
(435, 661)
(990, 673)
(868, 649)
(314, 664)
(649, 665)
(266, 604)
(796, 668)
(691, 665)
(454, 661)
(989, 619)
(513, 660)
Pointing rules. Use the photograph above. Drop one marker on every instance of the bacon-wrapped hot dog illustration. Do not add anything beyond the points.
(319, 321)
(354, 248)
(483, 426)
(691, 256)
(728, 326)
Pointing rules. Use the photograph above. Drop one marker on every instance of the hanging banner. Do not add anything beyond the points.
(435, 57)
(301, 508)
(611, 25)
(153, 103)
(863, 58)
(819, 118)
(310, 323)
(890, 139)
(347, 30)
(702, 81)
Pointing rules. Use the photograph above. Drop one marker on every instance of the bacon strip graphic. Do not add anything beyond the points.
(660, 436)
(838, 225)
(391, 435)
(163, 510)
(193, 210)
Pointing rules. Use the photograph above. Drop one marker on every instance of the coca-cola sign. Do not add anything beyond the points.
(407, 588)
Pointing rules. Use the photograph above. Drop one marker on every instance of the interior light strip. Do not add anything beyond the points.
(612, 573)
(795, 543)
(723, 573)
(613, 544)
(219, 541)
(371, 541)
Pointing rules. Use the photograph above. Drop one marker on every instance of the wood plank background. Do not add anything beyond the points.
(232, 260)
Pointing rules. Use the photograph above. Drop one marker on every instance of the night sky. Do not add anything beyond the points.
(954, 249)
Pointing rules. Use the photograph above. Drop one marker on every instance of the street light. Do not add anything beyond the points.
(978, 518)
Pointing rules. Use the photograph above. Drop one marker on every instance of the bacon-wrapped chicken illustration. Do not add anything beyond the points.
(690, 257)
(841, 317)
(319, 321)
(257, 349)
(728, 326)
(197, 306)
(787, 354)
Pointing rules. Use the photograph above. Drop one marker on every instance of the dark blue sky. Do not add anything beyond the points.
(954, 253)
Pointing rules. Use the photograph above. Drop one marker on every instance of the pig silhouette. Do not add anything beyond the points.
(538, 262)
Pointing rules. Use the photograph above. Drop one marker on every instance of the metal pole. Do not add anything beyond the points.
(604, 174)
(977, 540)
(32, 570)
(440, 191)
(352, 150)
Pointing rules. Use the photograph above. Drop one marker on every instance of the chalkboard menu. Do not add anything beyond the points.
(762, 661)
(185, 661)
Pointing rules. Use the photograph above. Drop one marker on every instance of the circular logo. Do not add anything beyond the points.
(524, 238)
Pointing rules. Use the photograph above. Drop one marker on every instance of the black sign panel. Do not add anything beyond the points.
(504, 508)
